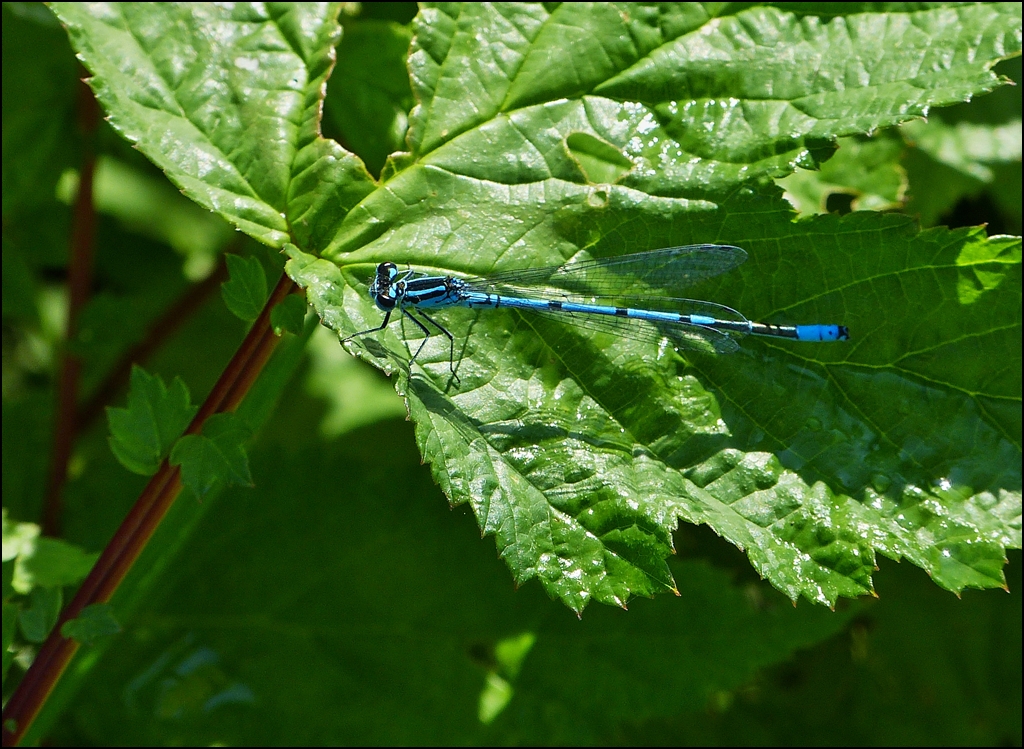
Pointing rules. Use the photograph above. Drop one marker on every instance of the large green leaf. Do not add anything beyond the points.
(541, 136)
(226, 100)
(580, 459)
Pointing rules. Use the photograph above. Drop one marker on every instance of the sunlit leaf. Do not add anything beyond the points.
(543, 134)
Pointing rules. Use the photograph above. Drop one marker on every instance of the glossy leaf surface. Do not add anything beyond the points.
(542, 135)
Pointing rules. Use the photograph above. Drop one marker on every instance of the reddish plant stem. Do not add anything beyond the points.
(81, 256)
(138, 527)
(168, 323)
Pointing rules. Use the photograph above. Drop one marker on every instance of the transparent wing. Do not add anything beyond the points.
(681, 335)
(659, 273)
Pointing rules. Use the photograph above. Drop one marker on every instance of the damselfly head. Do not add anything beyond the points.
(382, 289)
(386, 274)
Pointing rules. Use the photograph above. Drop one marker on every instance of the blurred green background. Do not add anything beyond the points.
(341, 601)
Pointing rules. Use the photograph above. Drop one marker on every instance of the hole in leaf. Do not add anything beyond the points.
(839, 202)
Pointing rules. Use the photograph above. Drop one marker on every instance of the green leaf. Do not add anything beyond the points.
(245, 292)
(142, 433)
(697, 104)
(95, 622)
(959, 156)
(951, 162)
(966, 147)
(226, 100)
(494, 698)
(506, 661)
(39, 561)
(51, 563)
(557, 477)
(38, 617)
(18, 538)
(868, 170)
(217, 456)
(287, 316)
(581, 453)
(103, 493)
(512, 651)
(934, 188)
